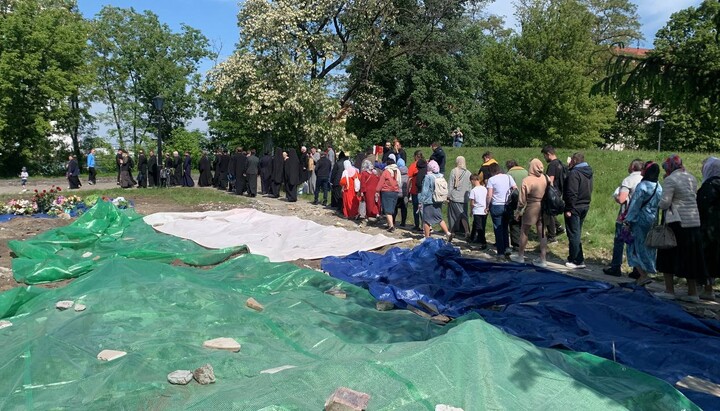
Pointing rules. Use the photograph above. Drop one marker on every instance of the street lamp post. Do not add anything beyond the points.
(158, 103)
(661, 125)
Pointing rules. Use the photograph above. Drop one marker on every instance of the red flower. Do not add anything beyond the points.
(44, 191)
(36, 190)
(58, 189)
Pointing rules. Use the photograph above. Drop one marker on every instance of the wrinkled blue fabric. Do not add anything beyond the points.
(547, 308)
(7, 217)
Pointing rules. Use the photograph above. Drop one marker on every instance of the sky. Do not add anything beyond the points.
(217, 20)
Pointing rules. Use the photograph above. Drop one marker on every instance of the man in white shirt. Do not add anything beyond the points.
(622, 196)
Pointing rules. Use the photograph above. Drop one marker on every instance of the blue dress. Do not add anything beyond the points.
(641, 221)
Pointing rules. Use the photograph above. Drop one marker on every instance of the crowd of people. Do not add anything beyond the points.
(383, 184)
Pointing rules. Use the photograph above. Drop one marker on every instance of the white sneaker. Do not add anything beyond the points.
(689, 298)
(517, 258)
(540, 263)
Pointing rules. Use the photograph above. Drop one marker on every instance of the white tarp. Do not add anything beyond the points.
(277, 237)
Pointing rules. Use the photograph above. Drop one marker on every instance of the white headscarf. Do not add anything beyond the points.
(350, 171)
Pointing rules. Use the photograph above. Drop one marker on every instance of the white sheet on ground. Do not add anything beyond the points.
(277, 237)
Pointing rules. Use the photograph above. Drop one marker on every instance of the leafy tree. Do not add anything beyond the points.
(135, 58)
(191, 141)
(42, 45)
(681, 77)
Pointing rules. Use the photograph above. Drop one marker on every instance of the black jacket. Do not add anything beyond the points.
(142, 164)
(578, 188)
(323, 168)
(439, 156)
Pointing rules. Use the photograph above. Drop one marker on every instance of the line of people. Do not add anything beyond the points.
(692, 214)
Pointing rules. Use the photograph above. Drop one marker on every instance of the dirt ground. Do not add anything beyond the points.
(23, 228)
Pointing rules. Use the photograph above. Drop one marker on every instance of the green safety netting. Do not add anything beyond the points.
(104, 231)
(161, 314)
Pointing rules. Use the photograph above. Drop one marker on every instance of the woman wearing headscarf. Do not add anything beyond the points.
(291, 175)
(389, 188)
(277, 173)
(641, 216)
(350, 184)
(529, 211)
(687, 259)
(432, 211)
(708, 201)
(458, 192)
(368, 188)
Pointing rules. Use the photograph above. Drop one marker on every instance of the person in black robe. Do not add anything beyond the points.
(205, 179)
(277, 174)
(335, 177)
(240, 169)
(232, 178)
(178, 169)
(265, 173)
(304, 165)
(142, 170)
(216, 168)
(152, 170)
(292, 171)
(73, 173)
(118, 160)
(252, 173)
(167, 171)
(223, 170)
(187, 180)
(126, 180)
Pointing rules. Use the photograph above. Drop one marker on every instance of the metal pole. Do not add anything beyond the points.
(659, 137)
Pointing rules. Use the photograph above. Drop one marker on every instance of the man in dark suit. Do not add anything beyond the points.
(153, 172)
(251, 173)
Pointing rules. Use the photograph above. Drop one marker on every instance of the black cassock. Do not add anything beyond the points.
(178, 173)
(143, 170)
(276, 175)
(265, 173)
(292, 171)
(240, 168)
(205, 179)
(152, 171)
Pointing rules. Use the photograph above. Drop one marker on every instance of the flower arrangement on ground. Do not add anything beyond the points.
(45, 198)
(20, 207)
(65, 205)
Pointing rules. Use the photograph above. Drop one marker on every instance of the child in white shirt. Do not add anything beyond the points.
(23, 178)
(478, 203)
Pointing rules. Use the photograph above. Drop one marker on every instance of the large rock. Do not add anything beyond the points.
(204, 375)
(109, 355)
(223, 343)
(345, 399)
(252, 303)
(64, 305)
(180, 377)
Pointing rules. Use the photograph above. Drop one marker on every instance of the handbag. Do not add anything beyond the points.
(661, 237)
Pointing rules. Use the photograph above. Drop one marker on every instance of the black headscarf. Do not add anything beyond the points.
(651, 172)
(277, 166)
(292, 168)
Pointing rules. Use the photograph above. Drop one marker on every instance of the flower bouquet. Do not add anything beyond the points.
(45, 198)
(20, 207)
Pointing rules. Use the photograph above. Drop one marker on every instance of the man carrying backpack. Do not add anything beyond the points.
(577, 195)
(556, 173)
(431, 198)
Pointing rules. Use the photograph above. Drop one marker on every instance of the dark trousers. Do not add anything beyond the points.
(275, 189)
(416, 211)
(477, 235)
(336, 198)
(91, 174)
(239, 185)
(618, 248)
(323, 183)
(515, 233)
(500, 227)
(252, 184)
(291, 192)
(402, 207)
(142, 179)
(265, 184)
(574, 224)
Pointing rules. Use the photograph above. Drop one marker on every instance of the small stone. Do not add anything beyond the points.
(336, 292)
(109, 355)
(222, 344)
(5, 324)
(64, 305)
(86, 254)
(384, 306)
(80, 307)
(345, 399)
(252, 303)
(443, 407)
(204, 375)
(180, 377)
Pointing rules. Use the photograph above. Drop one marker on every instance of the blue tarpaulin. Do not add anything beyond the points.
(547, 308)
(7, 217)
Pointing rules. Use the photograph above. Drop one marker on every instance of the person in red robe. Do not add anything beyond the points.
(368, 188)
(350, 191)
